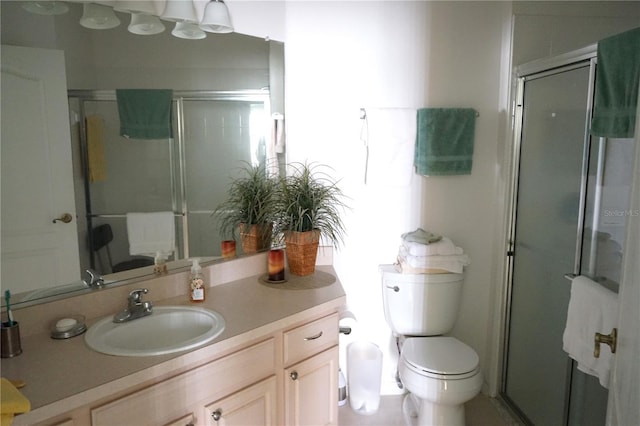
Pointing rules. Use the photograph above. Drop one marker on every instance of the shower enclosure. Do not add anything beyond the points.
(567, 219)
(215, 133)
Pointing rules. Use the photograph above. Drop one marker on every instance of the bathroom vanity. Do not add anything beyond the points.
(276, 362)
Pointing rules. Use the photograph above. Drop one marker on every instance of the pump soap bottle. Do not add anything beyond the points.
(196, 282)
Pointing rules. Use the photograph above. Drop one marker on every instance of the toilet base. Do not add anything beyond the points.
(419, 412)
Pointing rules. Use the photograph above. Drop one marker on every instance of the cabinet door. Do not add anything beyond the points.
(311, 390)
(255, 405)
(188, 420)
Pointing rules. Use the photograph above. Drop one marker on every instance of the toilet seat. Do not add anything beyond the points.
(440, 357)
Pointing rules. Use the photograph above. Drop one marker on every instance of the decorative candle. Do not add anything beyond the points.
(228, 249)
(276, 265)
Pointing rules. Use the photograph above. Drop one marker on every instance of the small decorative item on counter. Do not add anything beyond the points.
(160, 264)
(275, 264)
(228, 249)
(67, 327)
(10, 345)
(196, 282)
(10, 339)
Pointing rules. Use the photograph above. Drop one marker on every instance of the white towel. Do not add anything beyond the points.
(451, 263)
(151, 233)
(592, 308)
(444, 247)
(391, 140)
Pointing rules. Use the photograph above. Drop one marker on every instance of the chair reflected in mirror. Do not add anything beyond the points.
(102, 235)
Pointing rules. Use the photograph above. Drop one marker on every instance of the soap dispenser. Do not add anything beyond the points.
(196, 282)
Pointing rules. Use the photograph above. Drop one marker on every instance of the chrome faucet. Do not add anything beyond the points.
(136, 308)
(94, 279)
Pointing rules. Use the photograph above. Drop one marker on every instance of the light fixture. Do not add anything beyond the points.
(216, 18)
(179, 11)
(183, 13)
(46, 7)
(135, 6)
(98, 17)
(143, 24)
(188, 30)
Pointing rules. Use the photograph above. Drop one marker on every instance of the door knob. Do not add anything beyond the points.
(609, 339)
(65, 218)
(294, 375)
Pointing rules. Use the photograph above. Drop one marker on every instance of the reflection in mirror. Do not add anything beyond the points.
(223, 115)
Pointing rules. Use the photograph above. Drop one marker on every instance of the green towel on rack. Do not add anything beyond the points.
(444, 141)
(617, 76)
(145, 113)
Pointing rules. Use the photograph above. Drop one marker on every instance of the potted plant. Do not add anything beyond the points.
(309, 207)
(249, 209)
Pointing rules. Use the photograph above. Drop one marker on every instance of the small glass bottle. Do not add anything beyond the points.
(196, 282)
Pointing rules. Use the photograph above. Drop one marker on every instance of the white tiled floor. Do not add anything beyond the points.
(480, 411)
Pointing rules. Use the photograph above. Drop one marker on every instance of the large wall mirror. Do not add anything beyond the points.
(227, 104)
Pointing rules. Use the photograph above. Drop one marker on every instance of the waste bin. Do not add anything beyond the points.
(364, 372)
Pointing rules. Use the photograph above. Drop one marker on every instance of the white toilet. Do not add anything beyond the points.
(441, 373)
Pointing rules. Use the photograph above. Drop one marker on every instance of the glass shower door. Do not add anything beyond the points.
(546, 236)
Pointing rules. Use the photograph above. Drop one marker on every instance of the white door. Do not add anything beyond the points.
(624, 396)
(37, 179)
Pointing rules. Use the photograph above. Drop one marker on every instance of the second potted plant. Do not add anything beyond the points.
(309, 206)
(250, 209)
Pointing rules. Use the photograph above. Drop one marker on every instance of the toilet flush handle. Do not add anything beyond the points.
(394, 288)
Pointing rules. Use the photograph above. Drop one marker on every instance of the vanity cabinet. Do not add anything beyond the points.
(255, 405)
(311, 373)
(185, 395)
(311, 390)
(286, 376)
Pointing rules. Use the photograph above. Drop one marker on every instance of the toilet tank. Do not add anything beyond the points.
(420, 304)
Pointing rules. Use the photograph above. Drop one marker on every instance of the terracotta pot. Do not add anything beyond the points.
(302, 251)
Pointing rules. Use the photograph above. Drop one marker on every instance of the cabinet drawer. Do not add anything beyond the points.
(168, 400)
(310, 338)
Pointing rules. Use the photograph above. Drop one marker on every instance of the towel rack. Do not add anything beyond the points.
(363, 114)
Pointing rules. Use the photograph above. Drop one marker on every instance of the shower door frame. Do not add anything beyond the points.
(533, 70)
(178, 171)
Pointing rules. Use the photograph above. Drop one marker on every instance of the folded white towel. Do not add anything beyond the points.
(151, 233)
(592, 308)
(444, 247)
(451, 263)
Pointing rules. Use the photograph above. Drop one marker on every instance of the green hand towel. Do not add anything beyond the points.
(145, 113)
(617, 76)
(444, 141)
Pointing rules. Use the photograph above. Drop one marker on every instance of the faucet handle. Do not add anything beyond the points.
(135, 297)
(94, 279)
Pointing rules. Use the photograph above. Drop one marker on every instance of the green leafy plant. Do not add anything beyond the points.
(310, 200)
(251, 201)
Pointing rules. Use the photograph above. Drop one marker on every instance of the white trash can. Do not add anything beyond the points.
(364, 373)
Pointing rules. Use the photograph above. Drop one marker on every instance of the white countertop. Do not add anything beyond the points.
(62, 375)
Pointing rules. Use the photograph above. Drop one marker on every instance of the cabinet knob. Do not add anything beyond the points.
(294, 375)
(216, 415)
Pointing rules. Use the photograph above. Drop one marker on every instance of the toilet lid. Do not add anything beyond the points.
(439, 355)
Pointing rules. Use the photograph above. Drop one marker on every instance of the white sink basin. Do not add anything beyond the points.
(168, 329)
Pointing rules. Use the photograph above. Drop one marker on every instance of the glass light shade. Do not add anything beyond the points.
(216, 18)
(135, 6)
(98, 17)
(187, 30)
(143, 24)
(46, 7)
(179, 11)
